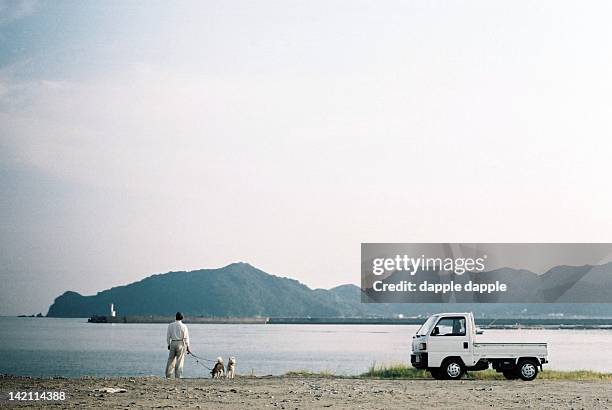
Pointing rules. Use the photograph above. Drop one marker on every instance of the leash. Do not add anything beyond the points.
(202, 358)
(197, 360)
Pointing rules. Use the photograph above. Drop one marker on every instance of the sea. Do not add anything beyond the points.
(74, 348)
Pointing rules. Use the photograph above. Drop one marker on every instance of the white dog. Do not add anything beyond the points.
(231, 367)
(218, 369)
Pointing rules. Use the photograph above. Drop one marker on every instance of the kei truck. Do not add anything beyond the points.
(446, 346)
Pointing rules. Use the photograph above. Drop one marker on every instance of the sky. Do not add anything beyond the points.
(144, 137)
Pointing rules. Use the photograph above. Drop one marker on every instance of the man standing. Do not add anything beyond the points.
(177, 338)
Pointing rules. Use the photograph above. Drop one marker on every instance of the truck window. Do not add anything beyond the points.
(450, 326)
(426, 327)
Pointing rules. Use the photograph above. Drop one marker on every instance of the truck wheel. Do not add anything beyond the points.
(510, 375)
(527, 370)
(437, 374)
(453, 369)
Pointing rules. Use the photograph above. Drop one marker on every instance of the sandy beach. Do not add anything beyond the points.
(298, 393)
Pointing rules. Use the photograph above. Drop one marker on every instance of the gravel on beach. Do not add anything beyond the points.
(310, 392)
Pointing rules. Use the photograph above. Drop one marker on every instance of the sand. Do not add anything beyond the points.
(292, 393)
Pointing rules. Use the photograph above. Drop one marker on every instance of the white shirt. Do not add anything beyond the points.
(177, 331)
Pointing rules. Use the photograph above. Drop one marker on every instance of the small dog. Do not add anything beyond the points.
(231, 367)
(218, 369)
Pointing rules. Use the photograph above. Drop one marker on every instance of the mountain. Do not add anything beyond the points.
(241, 290)
(236, 290)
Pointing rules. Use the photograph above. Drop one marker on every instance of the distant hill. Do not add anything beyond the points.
(241, 290)
(236, 290)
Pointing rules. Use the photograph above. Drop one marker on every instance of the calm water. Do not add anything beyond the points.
(72, 347)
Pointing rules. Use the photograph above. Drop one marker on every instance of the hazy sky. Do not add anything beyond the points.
(143, 137)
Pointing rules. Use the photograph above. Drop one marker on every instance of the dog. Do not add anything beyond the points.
(231, 368)
(218, 369)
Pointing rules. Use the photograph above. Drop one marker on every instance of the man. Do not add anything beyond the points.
(177, 338)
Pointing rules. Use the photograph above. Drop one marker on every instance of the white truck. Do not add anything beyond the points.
(446, 346)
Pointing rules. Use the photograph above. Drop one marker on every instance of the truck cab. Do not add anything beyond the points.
(446, 346)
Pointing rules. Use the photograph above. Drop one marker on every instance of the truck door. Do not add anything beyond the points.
(450, 337)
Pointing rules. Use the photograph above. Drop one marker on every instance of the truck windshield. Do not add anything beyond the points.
(424, 329)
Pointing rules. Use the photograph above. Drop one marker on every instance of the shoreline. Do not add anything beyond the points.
(284, 392)
(382, 371)
(483, 323)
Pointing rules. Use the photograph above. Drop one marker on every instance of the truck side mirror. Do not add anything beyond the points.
(479, 331)
(436, 331)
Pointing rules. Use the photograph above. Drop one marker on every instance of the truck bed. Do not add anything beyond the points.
(509, 350)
